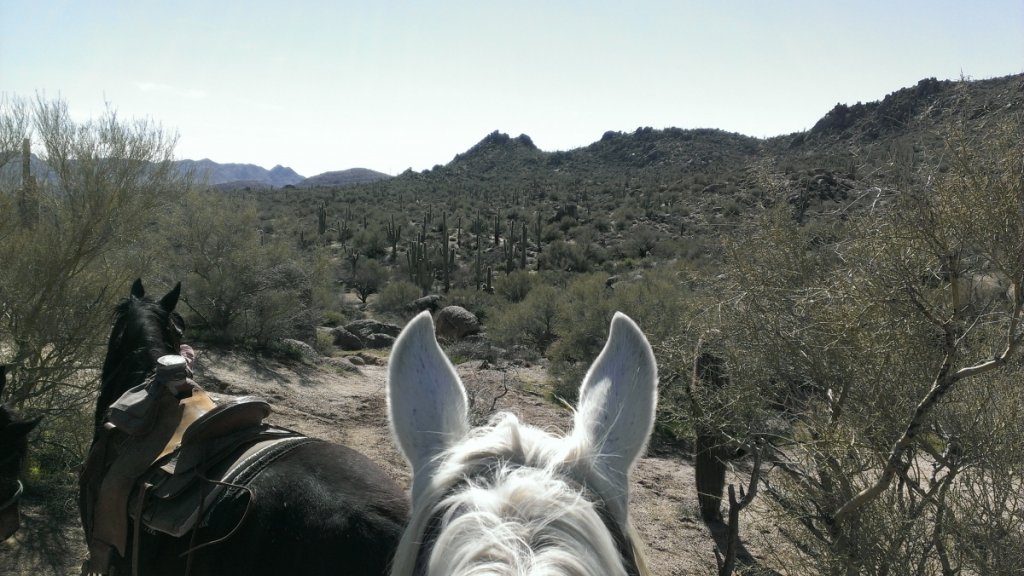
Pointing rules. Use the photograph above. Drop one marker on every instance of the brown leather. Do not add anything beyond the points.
(190, 410)
(117, 460)
(229, 415)
(125, 458)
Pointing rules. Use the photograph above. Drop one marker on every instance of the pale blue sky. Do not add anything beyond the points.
(390, 85)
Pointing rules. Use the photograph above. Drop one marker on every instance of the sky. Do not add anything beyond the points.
(387, 85)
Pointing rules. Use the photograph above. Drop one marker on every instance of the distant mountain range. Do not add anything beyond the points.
(250, 176)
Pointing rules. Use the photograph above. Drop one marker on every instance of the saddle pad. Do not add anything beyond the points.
(179, 512)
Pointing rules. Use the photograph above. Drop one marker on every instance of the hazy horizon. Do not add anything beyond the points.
(324, 86)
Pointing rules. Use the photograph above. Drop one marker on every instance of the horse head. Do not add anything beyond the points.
(142, 331)
(508, 498)
(13, 449)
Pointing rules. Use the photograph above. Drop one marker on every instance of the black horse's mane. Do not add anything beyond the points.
(142, 331)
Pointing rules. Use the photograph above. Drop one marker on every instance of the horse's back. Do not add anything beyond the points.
(321, 509)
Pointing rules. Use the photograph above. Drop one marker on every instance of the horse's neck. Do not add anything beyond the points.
(118, 378)
(11, 455)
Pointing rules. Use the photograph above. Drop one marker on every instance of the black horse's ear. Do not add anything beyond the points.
(169, 301)
(137, 290)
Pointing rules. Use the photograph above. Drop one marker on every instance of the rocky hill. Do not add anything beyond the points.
(213, 173)
(341, 178)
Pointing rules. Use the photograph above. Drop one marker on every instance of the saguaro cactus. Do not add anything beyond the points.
(522, 251)
(447, 255)
(321, 219)
(394, 234)
(418, 260)
(711, 449)
(477, 272)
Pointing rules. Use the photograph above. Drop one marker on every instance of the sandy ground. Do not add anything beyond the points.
(338, 402)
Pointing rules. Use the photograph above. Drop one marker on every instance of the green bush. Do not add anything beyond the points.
(242, 287)
(529, 323)
(515, 286)
(395, 297)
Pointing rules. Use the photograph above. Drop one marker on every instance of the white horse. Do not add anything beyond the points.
(512, 499)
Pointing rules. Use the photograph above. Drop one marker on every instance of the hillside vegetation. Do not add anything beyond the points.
(841, 305)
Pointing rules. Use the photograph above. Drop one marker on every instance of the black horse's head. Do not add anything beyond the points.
(13, 449)
(143, 330)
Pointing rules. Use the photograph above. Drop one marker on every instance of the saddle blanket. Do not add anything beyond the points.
(179, 494)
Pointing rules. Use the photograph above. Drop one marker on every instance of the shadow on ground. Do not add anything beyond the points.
(746, 564)
(50, 539)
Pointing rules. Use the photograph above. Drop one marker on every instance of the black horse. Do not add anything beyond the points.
(319, 509)
(13, 449)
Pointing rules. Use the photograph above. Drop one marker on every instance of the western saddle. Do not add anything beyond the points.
(166, 455)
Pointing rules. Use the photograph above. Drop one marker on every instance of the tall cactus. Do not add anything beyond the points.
(477, 270)
(508, 248)
(394, 234)
(711, 448)
(447, 255)
(418, 260)
(522, 249)
(321, 220)
(537, 231)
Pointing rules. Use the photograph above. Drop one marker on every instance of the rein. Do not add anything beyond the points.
(14, 498)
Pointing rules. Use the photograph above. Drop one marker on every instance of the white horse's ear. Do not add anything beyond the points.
(426, 400)
(616, 410)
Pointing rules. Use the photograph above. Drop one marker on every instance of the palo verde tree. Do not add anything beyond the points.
(85, 198)
(884, 344)
(77, 199)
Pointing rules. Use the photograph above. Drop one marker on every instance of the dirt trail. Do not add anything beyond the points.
(337, 402)
(350, 408)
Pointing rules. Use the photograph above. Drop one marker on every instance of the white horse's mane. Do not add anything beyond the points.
(509, 499)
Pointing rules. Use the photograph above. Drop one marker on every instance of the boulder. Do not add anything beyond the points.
(378, 341)
(455, 322)
(346, 340)
(299, 350)
(366, 328)
(431, 302)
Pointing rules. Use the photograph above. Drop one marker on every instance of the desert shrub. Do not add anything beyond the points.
(560, 255)
(370, 242)
(515, 286)
(888, 385)
(242, 287)
(476, 348)
(332, 318)
(529, 323)
(71, 240)
(367, 279)
(396, 297)
(584, 312)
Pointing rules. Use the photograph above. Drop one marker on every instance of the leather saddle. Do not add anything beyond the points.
(166, 455)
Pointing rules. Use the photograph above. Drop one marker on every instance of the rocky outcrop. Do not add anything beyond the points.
(455, 323)
(346, 340)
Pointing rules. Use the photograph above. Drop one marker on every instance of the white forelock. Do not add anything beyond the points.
(509, 507)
